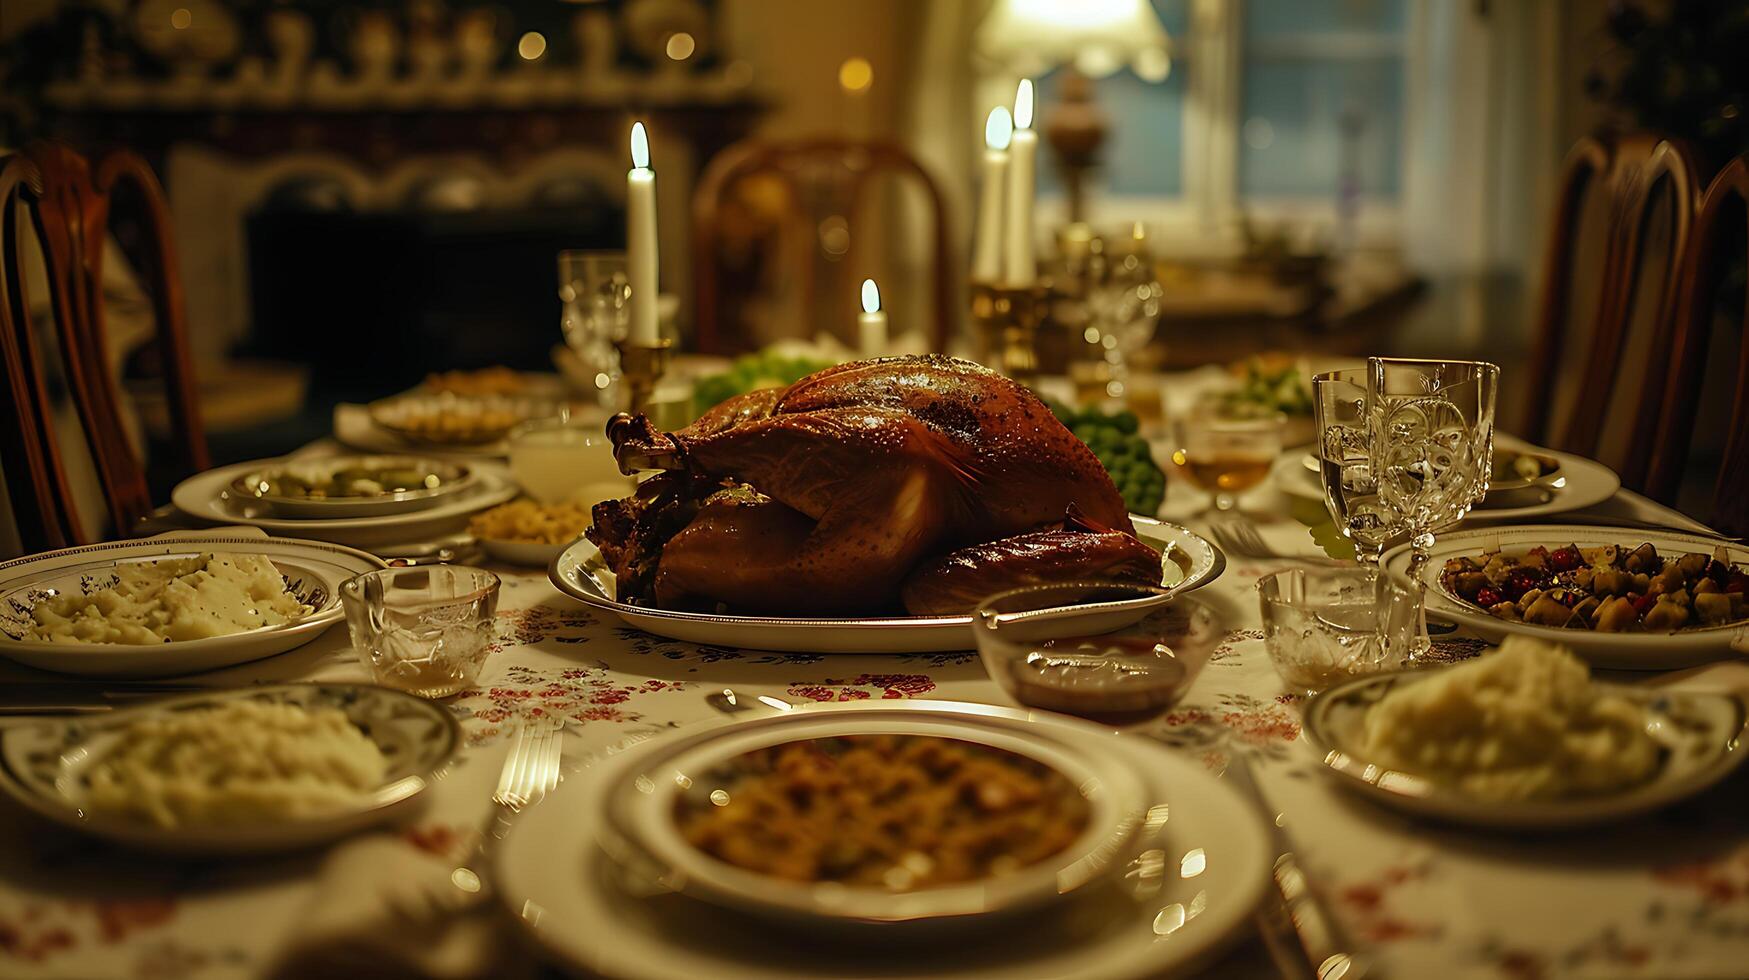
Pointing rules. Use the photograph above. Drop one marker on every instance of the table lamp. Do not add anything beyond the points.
(1093, 38)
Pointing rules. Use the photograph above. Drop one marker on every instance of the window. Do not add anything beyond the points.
(1322, 102)
(1273, 107)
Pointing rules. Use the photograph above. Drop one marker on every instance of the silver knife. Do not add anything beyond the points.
(1304, 937)
(57, 698)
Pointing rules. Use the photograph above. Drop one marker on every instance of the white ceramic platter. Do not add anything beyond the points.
(1620, 651)
(565, 892)
(1701, 732)
(46, 766)
(651, 780)
(1582, 483)
(1189, 562)
(209, 497)
(313, 571)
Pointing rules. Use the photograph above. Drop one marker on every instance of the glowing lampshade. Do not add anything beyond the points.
(1097, 36)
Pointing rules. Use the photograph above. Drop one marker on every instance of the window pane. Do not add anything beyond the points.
(1308, 122)
(1144, 144)
(1323, 98)
(1297, 18)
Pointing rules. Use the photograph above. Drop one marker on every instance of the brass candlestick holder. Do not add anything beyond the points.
(641, 366)
(1017, 312)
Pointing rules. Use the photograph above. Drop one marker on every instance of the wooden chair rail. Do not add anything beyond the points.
(862, 162)
(1587, 162)
(1703, 273)
(71, 203)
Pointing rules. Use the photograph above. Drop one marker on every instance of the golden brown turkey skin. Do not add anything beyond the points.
(859, 474)
(956, 582)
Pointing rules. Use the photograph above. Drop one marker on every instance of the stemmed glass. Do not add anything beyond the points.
(1431, 429)
(1339, 411)
(594, 289)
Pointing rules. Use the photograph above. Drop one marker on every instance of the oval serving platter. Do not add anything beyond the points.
(1188, 562)
(210, 497)
(1701, 733)
(45, 765)
(266, 485)
(313, 572)
(1618, 651)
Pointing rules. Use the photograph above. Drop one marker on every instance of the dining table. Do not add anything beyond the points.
(1663, 896)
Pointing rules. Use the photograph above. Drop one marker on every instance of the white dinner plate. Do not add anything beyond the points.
(209, 497)
(1188, 562)
(1205, 868)
(46, 765)
(1583, 483)
(1700, 732)
(650, 781)
(1620, 651)
(313, 571)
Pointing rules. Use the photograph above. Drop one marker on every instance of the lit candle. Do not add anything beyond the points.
(1018, 265)
(871, 326)
(987, 247)
(641, 240)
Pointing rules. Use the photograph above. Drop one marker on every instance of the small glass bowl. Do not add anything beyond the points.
(1324, 625)
(425, 630)
(556, 460)
(1040, 647)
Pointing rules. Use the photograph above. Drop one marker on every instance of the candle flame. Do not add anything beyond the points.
(640, 147)
(1023, 105)
(999, 128)
(871, 297)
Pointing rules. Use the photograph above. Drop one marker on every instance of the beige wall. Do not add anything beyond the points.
(797, 46)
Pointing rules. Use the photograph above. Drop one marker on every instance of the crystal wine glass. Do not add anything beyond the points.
(594, 289)
(1430, 429)
(1344, 465)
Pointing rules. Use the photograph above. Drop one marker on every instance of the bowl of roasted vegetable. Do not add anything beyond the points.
(1622, 599)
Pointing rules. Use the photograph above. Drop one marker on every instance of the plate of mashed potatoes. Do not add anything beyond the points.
(1522, 737)
(240, 771)
(173, 604)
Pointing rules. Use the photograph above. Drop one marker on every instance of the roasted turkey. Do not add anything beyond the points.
(923, 483)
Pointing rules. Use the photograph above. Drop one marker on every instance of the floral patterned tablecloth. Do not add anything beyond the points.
(1664, 897)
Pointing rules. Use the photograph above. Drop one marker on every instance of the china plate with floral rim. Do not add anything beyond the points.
(1700, 735)
(1615, 651)
(313, 572)
(1186, 898)
(1188, 562)
(46, 765)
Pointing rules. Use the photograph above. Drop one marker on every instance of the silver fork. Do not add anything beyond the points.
(531, 771)
(1240, 537)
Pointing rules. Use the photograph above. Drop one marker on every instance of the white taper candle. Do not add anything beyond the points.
(871, 326)
(1019, 267)
(987, 245)
(641, 257)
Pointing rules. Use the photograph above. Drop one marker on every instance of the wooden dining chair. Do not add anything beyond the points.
(71, 204)
(822, 181)
(1606, 356)
(1711, 256)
